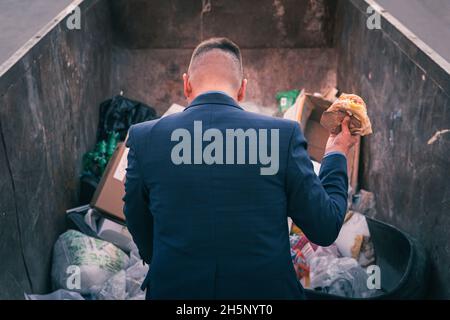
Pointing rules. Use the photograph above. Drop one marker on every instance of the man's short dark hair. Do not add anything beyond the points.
(222, 44)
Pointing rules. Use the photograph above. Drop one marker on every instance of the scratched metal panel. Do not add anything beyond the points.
(49, 113)
(143, 24)
(13, 274)
(409, 174)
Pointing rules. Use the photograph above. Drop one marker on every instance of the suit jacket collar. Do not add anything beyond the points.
(214, 97)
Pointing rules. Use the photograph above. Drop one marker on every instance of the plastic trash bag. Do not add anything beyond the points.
(115, 288)
(60, 294)
(331, 250)
(126, 284)
(76, 217)
(353, 284)
(108, 230)
(351, 234)
(96, 259)
(119, 113)
(286, 99)
(95, 161)
(135, 275)
(354, 240)
(339, 276)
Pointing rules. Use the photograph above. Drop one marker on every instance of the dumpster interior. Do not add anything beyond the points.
(49, 111)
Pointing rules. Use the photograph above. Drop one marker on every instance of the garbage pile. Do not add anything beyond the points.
(96, 259)
(340, 269)
(104, 265)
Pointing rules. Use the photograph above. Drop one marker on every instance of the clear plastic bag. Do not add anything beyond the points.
(332, 250)
(114, 288)
(126, 284)
(339, 276)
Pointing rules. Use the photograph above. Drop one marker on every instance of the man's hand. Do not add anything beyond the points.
(343, 141)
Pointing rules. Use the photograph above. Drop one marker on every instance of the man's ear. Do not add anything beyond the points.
(186, 86)
(242, 91)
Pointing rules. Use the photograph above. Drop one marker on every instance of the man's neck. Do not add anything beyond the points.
(225, 91)
(215, 91)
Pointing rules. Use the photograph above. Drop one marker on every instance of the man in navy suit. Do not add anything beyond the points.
(209, 190)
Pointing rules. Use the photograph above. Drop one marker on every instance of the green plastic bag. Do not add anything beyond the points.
(286, 99)
(94, 162)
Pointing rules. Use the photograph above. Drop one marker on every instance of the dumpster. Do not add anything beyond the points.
(51, 88)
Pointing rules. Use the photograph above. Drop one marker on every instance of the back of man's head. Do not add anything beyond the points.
(216, 63)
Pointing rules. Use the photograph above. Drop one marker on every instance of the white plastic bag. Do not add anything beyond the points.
(109, 230)
(331, 250)
(126, 284)
(351, 235)
(115, 288)
(96, 259)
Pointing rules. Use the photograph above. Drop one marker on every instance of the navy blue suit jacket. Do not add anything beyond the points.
(220, 231)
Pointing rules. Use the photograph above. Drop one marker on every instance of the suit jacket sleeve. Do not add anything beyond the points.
(139, 219)
(316, 204)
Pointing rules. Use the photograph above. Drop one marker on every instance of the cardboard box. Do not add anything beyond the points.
(308, 110)
(111, 189)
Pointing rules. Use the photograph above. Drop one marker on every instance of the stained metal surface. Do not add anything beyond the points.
(141, 24)
(408, 105)
(154, 76)
(48, 116)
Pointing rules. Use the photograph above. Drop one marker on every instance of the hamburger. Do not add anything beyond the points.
(347, 105)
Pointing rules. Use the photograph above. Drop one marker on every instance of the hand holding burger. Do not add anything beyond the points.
(347, 105)
(345, 119)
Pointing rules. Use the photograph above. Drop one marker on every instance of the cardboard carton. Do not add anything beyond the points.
(308, 110)
(111, 189)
